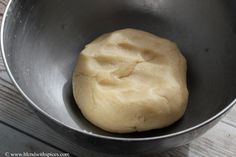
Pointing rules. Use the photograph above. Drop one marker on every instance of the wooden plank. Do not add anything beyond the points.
(18, 142)
(2, 8)
(1, 64)
(231, 117)
(218, 142)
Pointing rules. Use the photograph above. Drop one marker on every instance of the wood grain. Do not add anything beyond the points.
(220, 141)
(3, 4)
(15, 141)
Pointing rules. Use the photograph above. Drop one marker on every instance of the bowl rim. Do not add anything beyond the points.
(218, 115)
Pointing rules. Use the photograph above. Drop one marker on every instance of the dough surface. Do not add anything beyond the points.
(130, 80)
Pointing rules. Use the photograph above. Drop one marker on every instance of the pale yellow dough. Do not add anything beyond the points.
(130, 80)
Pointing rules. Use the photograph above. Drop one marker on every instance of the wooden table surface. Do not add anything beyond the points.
(22, 131)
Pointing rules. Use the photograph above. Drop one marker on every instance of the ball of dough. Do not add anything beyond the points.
(130, 80)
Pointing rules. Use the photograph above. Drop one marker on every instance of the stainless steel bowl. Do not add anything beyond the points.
(41, 39)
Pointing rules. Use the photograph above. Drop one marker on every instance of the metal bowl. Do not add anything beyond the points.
(41, 40)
